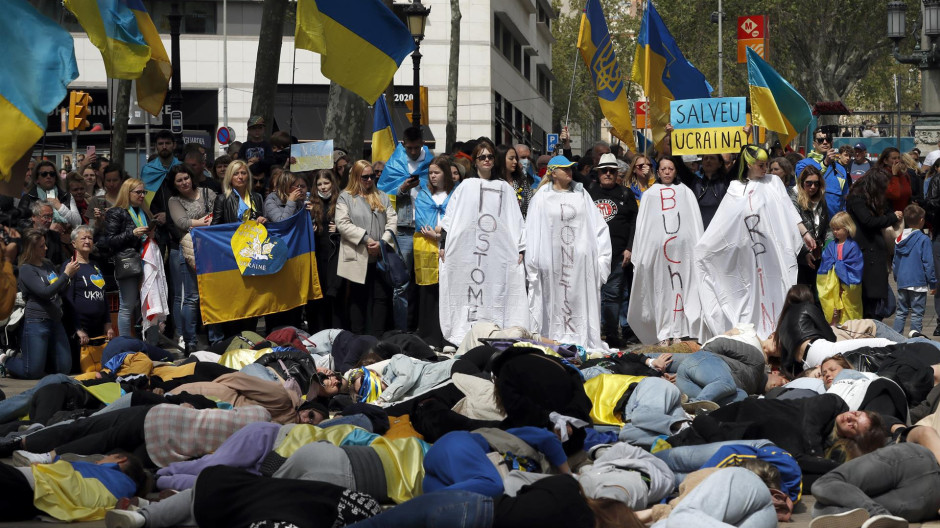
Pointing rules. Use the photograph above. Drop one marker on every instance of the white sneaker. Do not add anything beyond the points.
(850, 519)
(23, 458)
(885, 521)
(124, 519)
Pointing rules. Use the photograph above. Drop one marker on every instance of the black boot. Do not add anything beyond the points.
(10, 444)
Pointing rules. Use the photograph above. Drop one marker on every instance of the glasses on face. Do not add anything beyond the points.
(811, 183)
(47, 174)
(638, 165)
(46, 217)
(823, 139)
(368, 176)
(139, 193)
(486, 157)
(607, 171)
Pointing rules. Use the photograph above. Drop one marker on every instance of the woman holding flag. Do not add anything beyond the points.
(430, 205)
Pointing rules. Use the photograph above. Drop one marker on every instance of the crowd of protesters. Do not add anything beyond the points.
(526, 372)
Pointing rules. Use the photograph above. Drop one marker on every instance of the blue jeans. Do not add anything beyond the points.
(451, 508)
(18, 405)
(404, 300)
(910, 302)
(686, 459)
(129, 311)
(189, 293)
(936, 266)
(613, 294)
(886, 332)
(42, 339)
(705, 376)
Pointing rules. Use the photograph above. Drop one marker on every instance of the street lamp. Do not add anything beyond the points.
(926, 56)
(415, 15)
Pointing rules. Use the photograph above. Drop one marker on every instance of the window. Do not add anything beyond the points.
(545, 16)
(543, 83)
(527, 68)
(510, 48)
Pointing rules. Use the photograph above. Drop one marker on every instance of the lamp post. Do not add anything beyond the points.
(415, 16)
(926, 56)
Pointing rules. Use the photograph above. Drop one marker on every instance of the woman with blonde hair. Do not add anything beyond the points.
(640, 177)
(127, 226)
(237, 202)
(364, 216)
(290, 195)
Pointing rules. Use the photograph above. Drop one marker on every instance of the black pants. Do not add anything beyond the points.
(50, 399)
(16, 501)
(323, 314)
(372, 296)
(102, 433)
(429, 318)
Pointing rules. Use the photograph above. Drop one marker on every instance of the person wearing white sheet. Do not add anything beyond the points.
(481, 275)
(747, 256)
(570, 259)
(668, 227)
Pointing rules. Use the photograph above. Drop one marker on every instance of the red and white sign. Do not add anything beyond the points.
(640, 109)
(751, 27)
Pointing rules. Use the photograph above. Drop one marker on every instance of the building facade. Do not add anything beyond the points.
(505, 79)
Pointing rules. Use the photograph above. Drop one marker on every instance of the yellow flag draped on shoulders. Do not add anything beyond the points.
(599, 56)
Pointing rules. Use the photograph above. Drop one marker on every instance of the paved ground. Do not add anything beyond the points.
(801, 518)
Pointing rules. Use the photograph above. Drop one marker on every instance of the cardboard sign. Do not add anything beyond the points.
(313, 155)
(708, 126)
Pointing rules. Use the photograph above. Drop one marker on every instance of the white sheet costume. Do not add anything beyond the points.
(481, 278)
(665, 280)
(747, 257)
(567, 263)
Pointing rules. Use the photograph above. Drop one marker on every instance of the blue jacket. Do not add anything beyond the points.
(913, 261)
(837, 184)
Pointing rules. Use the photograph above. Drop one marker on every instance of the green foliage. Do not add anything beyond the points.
(828, 49)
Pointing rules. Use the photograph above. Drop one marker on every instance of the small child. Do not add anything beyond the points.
(839, 276)
(913, 270)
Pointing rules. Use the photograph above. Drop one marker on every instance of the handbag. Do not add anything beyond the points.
(128, 264)
(391, 265)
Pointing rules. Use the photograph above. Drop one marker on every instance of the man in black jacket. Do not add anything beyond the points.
(619, 209)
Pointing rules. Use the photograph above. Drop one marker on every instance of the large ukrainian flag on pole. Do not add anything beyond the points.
(663, 72)
(129, 44)
(37, 63)
(775, 103)
(597, 50)
(383, 132)
(361, 42)
(225, 294)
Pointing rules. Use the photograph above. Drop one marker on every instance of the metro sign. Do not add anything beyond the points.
(751, 27)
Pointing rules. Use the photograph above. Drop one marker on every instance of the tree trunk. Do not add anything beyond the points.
(121, 111)
(345, 114)
(450, 131)
(268, 61)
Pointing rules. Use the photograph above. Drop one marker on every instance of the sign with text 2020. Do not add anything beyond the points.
(708, 126)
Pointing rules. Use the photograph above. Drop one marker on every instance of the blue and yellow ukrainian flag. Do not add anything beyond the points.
(775, 103)
(225, 294)
(361, 43)
(129, 44)
(383, 133)
(599, 56)
(663, 72)
(36, 66)
(79, 491)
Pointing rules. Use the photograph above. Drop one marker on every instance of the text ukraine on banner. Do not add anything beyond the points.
(226, 295)
(708, 126)
(383, 133)
(663, 72)
(597, 50)
(34, 76)
(775, 103)
(130, 45)
(354, 37)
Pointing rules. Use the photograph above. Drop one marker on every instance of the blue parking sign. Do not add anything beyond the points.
(551, 141)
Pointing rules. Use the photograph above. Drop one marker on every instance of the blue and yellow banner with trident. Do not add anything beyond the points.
(252, 270)
(598, 53)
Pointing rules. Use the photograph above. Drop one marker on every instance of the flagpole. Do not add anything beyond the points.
(574, 70)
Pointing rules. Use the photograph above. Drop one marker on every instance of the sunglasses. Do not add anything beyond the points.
(607, 171)
(486, 157)
(643, 165)
(368, 176)
(823, 139)
(47, 173)
(139, 193)
(811, 183)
